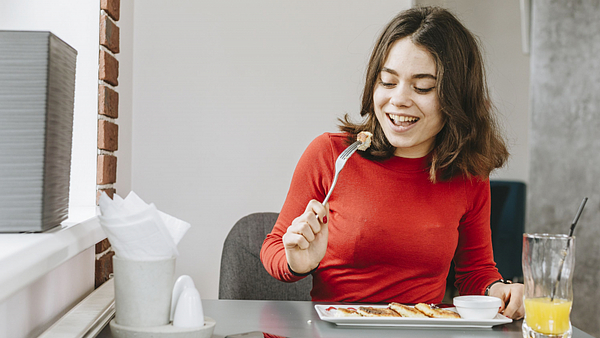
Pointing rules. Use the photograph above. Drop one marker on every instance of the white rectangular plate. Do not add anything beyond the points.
(329, 316)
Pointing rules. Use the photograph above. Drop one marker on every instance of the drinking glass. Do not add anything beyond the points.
(548, 265)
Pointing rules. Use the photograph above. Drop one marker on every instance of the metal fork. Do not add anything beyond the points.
(339, 165)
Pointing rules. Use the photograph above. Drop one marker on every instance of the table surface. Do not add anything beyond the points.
(297, 319)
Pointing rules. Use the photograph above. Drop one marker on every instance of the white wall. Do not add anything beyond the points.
(125, 90)
(227, 95)
(76, 22)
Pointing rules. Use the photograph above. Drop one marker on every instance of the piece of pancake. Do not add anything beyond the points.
(365, 138)
(434, 312)
(368, 311)
(407, 311)
(343, 312)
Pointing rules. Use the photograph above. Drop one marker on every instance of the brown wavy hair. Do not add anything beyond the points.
(470, 142)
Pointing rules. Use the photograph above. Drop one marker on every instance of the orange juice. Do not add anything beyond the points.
(548, 317)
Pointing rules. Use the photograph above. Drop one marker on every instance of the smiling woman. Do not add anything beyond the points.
(440, 60)
(406, 101)
(419, 197)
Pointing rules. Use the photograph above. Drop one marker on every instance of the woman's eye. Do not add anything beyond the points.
(423, 90)
(387, 84)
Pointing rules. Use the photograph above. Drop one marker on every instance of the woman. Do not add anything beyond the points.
(419, 197)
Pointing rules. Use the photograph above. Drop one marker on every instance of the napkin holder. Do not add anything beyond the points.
(163, 331)
(143, 291)
(143, 301)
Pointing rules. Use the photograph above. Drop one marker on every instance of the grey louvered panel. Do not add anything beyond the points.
(37, 84)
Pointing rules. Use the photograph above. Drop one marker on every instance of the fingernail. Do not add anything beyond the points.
(325, 219)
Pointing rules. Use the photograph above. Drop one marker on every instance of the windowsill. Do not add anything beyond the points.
(89, 317)
(25, 257)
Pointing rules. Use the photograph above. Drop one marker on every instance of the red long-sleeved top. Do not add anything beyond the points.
(392, 233)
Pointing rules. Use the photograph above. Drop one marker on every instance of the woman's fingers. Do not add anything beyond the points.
(291, 240)
(318, 210)
(515, 308)
(304, 228)
(305, 240)
(512, 298)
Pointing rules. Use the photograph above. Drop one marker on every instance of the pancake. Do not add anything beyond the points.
(343, 312)
(407, 311)
(365, 138)
(434, 312)
(368, 311)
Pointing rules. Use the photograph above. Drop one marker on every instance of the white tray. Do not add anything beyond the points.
(329, 316)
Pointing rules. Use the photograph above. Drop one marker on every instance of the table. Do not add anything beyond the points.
(298, 319)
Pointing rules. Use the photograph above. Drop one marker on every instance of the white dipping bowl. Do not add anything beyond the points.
(477, 307)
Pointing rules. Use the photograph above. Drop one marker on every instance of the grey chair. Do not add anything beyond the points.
(242, 274)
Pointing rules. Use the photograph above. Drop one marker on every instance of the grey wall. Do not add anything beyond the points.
(564, 138)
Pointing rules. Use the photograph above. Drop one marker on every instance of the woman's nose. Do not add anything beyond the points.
(401, 97)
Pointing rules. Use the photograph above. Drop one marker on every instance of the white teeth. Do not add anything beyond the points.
(399, 118)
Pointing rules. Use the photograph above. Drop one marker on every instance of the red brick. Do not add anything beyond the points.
(110, 192)
(109, 34)
(108, 102)
(104, 268)
(102, 246)
(108, 135)
(112, 7)
(108, 68)
(107, 169)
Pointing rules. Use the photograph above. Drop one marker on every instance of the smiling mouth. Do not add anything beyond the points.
(402, 121)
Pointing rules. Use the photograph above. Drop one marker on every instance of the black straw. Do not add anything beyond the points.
(562, 260)
(576, 219)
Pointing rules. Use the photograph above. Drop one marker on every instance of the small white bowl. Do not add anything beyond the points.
(477, 307)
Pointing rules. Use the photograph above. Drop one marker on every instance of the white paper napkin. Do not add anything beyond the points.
(139, 231)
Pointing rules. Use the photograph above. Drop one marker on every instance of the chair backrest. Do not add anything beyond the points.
(507, 221)
(242, 274)
(508, 224)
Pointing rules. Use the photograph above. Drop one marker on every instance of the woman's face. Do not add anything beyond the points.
(406, 100)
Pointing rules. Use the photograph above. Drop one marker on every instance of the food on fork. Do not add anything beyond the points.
(407, 311)
(343, 312)
(434, 312)
(369, 311)
(365, 138)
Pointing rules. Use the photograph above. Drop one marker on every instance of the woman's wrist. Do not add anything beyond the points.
(302, 274)
(489, 287)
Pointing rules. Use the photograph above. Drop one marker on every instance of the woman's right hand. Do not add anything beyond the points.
(305, 241)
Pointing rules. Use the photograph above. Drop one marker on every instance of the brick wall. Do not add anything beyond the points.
(108, 129)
